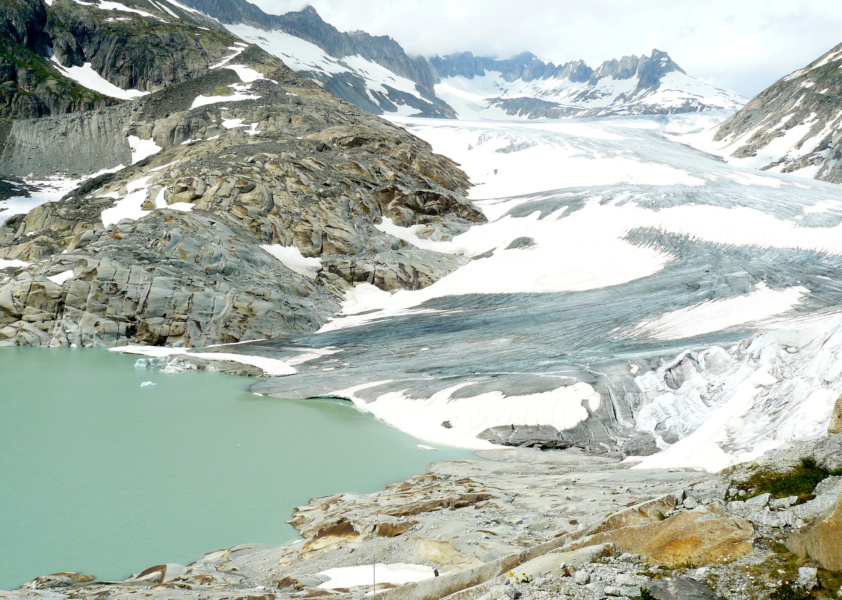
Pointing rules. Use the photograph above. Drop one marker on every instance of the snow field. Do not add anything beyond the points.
(561, 408)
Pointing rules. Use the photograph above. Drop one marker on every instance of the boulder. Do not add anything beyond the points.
(699, 537)
(821, 540)
(680, 588)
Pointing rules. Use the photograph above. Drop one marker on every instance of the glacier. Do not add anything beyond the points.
(629, 293)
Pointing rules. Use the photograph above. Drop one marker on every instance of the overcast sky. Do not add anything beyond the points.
(744, 45)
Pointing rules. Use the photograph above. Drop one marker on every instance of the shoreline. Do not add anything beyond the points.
(549, 514)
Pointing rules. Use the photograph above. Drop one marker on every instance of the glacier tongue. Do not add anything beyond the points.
(734, 405)
(629, 294)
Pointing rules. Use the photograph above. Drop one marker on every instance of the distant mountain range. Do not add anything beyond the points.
(375, 73)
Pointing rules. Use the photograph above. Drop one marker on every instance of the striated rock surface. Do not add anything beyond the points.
(253, 203)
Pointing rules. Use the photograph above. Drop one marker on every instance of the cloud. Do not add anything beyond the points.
(744, 45)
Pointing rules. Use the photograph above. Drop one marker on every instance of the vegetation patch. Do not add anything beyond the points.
(644, 595)
(799, 482)
(789, 592)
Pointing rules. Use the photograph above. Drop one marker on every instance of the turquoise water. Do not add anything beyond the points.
(101, 476)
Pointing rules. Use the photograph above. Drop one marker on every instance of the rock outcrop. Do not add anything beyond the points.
(836, 418)
(698, 537)
(822, 540)
(258, 207)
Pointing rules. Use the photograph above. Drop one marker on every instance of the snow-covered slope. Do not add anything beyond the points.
(527, 87)
(376, 74)
(353, 78)
(791, 127)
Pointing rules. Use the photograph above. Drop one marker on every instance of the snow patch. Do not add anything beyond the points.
(142, 149)
(87, 77)
(246, 74)
(366, 575)
(718, 315)
(561, 408)
(236, 97)
(116, 6)
(292, 259)
(61, 277)
(5, 264)
(130, 206)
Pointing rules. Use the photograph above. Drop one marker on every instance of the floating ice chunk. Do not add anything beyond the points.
(148, 384)
(425, 447)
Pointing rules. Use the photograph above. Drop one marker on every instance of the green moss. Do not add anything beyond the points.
(830, 581)
(799, 482)
(789, 592)
(644, 595)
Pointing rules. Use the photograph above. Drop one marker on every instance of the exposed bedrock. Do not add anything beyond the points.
(519, 523)
(250, 222)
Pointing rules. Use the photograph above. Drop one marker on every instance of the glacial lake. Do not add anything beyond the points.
(103, 476)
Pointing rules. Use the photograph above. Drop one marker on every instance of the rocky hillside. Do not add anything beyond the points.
(376, 74)
(372, 72)
(242, 200)
(793, 126)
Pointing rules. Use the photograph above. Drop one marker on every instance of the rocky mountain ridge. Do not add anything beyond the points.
(793, 126)
(526, 86)
(414, 77)
(375, 73)
(242, 199)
